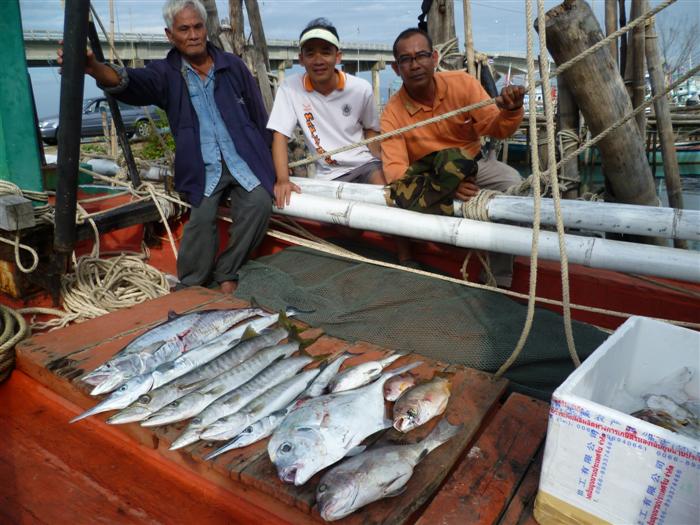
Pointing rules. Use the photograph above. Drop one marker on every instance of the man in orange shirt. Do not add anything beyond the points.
(426, 94)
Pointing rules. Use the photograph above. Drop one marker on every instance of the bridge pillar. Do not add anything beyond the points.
(376, 68)
(283, 65)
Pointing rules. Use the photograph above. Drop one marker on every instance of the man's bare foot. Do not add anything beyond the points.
(228, 287)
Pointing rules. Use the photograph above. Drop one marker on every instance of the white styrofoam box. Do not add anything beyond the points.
(608, 464)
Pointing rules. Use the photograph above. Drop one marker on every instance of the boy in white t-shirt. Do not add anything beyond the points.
(332, 108)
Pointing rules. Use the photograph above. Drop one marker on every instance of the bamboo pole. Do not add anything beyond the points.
(635, 62)
(441, 21)
(568, 123)
(112, 128)
(256, 28)
(469, 39)
(213, 27)
(611, 24)
(623, 38)
(664, 125)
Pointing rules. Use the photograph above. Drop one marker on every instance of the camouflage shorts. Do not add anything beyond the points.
(430, 183)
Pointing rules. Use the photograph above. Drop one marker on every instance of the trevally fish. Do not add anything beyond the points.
(205, 353)
(375, 474)
(318, 387)
(252, 434)
(421, 403)
(396, 386)
(175, 325)
(240, 397)
(157, 398)
(272, 400)
(139, 385)
(210, 325)
(325, 429)
(359, 375)
(194, 402)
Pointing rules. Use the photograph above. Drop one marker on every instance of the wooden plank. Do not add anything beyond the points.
(481, 487)
(520, 507)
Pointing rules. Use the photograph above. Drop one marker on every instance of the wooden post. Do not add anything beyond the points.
(568, 121)
(469, 44)
(376, 68)
(611, 24)
(600, 92)
(235, 11)
(256, 28)
(441, 21)
(261, 74)
(112, 129)
(634, 70)
(213, 27)
(623, 37)
(664, 126)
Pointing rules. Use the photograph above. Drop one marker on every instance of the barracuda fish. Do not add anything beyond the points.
(375, 474)
(318, 387)
(397, 386)
(252, 433)
(359, 375)
(194, 402)
(175, 325)
(325, 429)
(205, 353)
(157, 398)
(139, 385)
(209, 326)
(240, 397)
(271, 401)
(421, 403)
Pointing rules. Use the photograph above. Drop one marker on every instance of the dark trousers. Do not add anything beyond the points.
(250, 211)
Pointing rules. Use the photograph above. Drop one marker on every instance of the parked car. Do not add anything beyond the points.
(135, 120)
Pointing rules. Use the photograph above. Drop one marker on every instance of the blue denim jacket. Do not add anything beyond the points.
(161, 83)
(214, 138)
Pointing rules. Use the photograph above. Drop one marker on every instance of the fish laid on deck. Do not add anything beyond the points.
(359, 375)
(375, 474)
(421, 403)
(324, 429)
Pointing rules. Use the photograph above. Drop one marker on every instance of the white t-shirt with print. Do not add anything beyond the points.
(328, 122)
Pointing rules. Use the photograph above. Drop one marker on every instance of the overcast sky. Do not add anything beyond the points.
(499, 25)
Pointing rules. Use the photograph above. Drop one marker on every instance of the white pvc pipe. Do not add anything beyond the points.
(668, 223)
(587, 251)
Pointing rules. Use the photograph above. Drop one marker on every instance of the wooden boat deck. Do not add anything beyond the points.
(91, 472)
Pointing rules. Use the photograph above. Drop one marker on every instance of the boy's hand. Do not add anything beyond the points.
(466, 189)
(283, 192)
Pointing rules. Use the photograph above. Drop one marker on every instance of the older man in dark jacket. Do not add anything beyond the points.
(221, 142)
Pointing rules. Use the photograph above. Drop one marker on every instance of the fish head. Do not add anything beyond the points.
(137, 411)
(410, 416)
(119, 371)
(298, 455)
(171, 412)
(226, 427)
(336, 495)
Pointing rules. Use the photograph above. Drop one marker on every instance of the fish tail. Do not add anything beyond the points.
(443, 432)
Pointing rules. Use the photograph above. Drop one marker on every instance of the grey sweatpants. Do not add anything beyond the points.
(197, 263)
(495, 175)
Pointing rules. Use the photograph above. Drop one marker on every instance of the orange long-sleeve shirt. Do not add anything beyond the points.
(454, 89)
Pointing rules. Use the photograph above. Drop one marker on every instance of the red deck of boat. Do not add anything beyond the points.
(91, 472)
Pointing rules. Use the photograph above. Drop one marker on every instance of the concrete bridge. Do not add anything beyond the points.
(40, 47)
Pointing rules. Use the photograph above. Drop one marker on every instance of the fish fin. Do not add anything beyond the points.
(398, 371)
(396, 486)
(443, 432)
(193, 384)
(285, 323)
(355, 451)
(150, 349)
(172, 314)
(249, 334)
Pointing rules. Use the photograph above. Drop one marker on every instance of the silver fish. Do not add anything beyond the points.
(122, 397)
(360, 375)
(240, 397)
(274, 399)
(252, 434)
(205, 353)
(194, 402)
(375, 474)
(210, 325)
(175, 325)
(421, 403)
(325, 429)
(157, 398)
(318, 387)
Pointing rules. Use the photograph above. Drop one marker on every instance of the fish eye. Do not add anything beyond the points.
(145, 398)
(175, 404)
(412, 412)
(248, 430)
(124, 388)
(197, 421)
(322, 487)
(285, 447)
